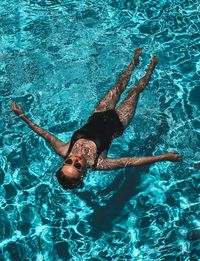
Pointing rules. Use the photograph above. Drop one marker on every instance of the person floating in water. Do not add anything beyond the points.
(89, 145)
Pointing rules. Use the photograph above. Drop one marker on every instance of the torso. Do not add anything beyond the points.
(94, 138)
(86, 147)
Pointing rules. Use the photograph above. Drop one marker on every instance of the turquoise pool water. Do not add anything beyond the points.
(58, 58)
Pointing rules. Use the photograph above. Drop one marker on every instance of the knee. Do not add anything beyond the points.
(100, 107)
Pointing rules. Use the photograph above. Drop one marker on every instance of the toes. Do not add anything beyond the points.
(179, 157)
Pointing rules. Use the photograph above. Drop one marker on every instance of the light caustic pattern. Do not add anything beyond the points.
(58, 58)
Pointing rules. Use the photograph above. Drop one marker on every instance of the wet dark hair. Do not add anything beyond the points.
(67, 183)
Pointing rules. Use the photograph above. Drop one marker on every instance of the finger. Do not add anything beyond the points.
(19, 106)
(13, 105)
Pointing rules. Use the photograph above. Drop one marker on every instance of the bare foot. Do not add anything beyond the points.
(154, 60)
(136, 55)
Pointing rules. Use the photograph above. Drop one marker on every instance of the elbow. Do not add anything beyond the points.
(132, 163)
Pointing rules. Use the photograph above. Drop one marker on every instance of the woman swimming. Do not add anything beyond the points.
(89, 145)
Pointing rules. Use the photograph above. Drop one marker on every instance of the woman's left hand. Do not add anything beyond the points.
(173, 156)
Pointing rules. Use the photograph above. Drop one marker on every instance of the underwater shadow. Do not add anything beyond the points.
(105, 217)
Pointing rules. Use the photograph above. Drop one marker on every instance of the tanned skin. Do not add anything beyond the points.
(84, 151)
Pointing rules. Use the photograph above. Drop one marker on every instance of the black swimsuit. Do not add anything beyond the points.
(102, 128)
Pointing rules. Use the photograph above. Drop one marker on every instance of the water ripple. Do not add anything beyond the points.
(58, 58)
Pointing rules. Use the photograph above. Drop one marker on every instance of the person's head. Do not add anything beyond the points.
(72, 172)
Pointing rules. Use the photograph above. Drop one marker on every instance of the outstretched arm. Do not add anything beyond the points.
(109, 163)
(59, 146)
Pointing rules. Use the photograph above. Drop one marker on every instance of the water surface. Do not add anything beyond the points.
(58, 59)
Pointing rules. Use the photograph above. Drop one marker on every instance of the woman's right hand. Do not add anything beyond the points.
(16, 108)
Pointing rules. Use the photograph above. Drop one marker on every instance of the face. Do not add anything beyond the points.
(74, 167)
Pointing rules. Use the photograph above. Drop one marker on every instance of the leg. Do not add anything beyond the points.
(127, 109)
(112, 96)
